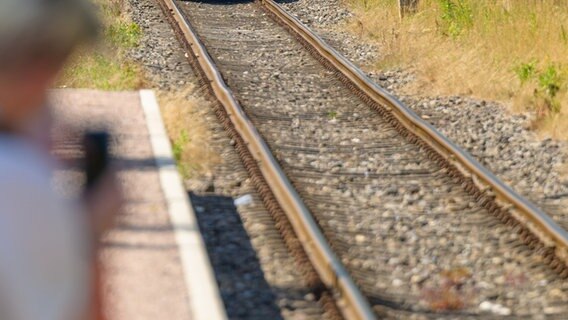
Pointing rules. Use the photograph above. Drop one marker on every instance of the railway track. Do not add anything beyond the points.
(395, 219)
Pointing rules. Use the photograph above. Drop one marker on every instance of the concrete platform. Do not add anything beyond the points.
(155, 260)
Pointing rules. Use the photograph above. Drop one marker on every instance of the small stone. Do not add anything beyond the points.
(556, 293)
(500, 280)
(554, 310)
(494, 308)
(415, 279)
(485, 306)
(397, 282)
(310, 297)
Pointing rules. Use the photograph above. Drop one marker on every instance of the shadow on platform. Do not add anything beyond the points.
(244, 290)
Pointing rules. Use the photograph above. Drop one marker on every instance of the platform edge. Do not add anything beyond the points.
(205, 301)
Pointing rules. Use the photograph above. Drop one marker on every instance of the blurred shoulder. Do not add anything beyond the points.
(20, 162)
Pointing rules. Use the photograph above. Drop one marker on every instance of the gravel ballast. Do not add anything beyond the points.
(501, 141)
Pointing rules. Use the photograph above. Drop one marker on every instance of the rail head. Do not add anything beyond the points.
(333, 274)
(530, 216)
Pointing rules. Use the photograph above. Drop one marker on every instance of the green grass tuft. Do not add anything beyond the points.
(107, 66)
(457, 17)
(124, 34)
(526, 71)
(98, 71)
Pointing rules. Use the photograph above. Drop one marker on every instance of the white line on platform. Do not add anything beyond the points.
(204, 298)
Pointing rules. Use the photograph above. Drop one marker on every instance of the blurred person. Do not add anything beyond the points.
(47, 245)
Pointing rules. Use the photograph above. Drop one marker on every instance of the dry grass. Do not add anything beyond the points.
(184, 117)
(512, 51)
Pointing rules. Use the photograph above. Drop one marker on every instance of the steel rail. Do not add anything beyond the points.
(333, 274)
(526, 213)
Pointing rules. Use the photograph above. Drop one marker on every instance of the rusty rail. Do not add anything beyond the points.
(550, 234)
(333, 274)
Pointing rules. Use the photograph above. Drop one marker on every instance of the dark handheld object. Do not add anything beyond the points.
(96, 156)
